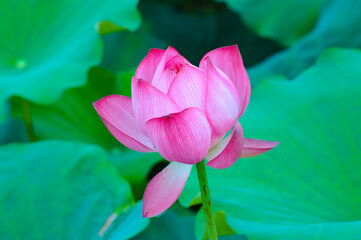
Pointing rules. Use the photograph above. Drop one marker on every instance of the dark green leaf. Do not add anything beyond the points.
(195, 28)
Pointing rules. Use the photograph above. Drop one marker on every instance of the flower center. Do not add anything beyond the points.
(175, 64)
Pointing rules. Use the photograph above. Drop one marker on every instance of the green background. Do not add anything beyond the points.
(64, 176)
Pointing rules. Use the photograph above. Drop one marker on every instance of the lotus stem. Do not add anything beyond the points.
(206, 201)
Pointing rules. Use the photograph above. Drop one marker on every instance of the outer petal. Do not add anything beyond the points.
(165, 188)
(172, 67)
(222, 102)
(117, 114)
(149, 64)
(189, 88)
(228, 150)
(255, 147)
(229, 60)
(182, 137)
(148, 102)
(168, 55)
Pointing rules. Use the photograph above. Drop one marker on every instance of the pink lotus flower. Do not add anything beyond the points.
(183, 112)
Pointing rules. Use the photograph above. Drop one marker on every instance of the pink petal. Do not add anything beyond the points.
(172, 67)
(228, 150)
(149, 64)
(149, 102)
(165, 188)
(168, 55)
(222, 102)
(117, 114)
(255, 147)
(182, 137)
(189, 88)
(229, 60)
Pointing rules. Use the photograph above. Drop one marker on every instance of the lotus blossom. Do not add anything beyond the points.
(184, 112)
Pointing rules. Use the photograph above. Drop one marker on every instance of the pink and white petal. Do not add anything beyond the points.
(149, 64)
(181, 137)
(117, 114)
(165, 188)
(165, 79)
(189, 88)
(228, 151)
(222, 102)
(168, 55)
(229, 60)
(148, 102)
(255, 147)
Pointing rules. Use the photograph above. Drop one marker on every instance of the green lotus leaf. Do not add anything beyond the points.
(338, 26)
(48, 46)
(62, 190)
(308, 187)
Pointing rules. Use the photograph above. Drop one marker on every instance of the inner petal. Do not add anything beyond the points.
(171, 69)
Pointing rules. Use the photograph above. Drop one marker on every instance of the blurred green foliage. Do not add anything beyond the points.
(77, 182)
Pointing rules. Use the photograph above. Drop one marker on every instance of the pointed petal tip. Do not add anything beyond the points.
(146, 213)
(255, 147)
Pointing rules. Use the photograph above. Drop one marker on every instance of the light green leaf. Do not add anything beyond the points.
(284, 21)
(59, 190)
(48, 46)
(308, 187)
(338, 26)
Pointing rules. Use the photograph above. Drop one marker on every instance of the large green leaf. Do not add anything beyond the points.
(308, 187)
(284, 21)
(61, 190)
(338, 26)
(48, 46)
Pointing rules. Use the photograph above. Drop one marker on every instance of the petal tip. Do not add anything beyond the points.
(146, 213)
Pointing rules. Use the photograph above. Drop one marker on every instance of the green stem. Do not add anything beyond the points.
(27, 119)
(206, 200)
